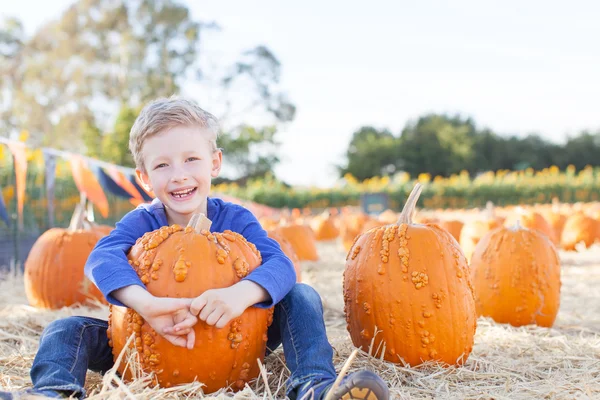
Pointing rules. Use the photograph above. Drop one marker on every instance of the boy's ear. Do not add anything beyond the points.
(217, 160)
(143, 177)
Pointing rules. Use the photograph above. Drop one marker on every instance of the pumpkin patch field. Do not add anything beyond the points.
(517, 316)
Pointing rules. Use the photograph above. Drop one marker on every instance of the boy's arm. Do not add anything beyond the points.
(276, 275)
(107, 265)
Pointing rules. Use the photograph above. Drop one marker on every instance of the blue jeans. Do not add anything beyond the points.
(71, 346)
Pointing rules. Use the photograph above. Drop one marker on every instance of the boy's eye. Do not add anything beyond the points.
(161, 165)
(192, 159)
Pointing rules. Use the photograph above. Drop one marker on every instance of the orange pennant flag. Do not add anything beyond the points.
(86, 183)
(20, 157)
(121, 180)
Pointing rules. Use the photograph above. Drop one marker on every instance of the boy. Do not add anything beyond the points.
(173, 143)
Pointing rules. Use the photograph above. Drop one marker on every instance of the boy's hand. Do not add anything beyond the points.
(163, 314)
(219, 306)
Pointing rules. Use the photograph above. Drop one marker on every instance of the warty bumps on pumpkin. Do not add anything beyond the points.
(516, 276)
(184, 262)
(407, 293)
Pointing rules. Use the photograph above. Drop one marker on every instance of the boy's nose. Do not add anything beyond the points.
(179, 175)
(179, 178)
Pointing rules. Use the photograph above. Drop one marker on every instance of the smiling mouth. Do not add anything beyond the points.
(182, 194)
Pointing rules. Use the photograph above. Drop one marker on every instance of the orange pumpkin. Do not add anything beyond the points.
(578, 228)
(302, 239)
(454, 227)
(324, 227)
(516, 276)
(411, 283)
(473, 231)
(54, 275)
(350, 227)
(533, 220)
(177, 262)
(555, 218)
(288, 250)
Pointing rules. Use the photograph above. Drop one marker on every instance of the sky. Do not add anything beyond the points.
(515, 67)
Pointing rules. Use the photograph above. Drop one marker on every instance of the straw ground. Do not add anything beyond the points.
(506, 363)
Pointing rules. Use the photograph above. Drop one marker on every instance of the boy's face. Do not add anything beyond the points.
(180, 165)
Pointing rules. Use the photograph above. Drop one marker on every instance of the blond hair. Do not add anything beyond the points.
(166, 113)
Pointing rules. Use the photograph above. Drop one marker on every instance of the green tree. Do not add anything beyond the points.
(251, 122)
(115, 145)
(371, 152)
(437, 144)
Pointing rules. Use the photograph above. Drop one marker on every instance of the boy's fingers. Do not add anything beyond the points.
(188, 322)
(174, 305)
(191, 339)
(176, 340)
(206, 311)
(214, 317)
(223, 321)
(178, 332)
(197, 305)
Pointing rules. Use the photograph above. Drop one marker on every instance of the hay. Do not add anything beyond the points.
(506, 363)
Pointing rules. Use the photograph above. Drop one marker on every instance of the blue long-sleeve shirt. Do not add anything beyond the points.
(108, 268)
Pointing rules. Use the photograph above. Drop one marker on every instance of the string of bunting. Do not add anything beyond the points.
(92, 177)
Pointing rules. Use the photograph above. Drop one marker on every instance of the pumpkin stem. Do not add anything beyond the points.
(517, 226)
(555, 205)
(199, 222)
(490, 212)
(77, 218)
(409, 207)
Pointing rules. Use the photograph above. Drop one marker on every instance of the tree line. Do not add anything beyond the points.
(443, 145)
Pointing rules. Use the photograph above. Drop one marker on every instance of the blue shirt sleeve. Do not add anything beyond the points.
(107, 265)
(276, 274)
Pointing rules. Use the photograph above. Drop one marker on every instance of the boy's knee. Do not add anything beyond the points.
(69, 326)
(304, 294)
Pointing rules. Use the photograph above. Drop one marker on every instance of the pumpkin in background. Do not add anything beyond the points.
(531, 219)
(302, 239)
(454, 227)
(388, 216)
(53, 274)
(516, 276)
(579, 228)
(555, 217)
(288, 250)
(177, 262)
(268, 223)
(324, 227)
(473, 231)
(351, 226)
(412, 283)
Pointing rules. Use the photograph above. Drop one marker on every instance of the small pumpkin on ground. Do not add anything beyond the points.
(453, 226)
(302, 239)
(407, 293)
(351, 226)
(473, 231)
(288, 250)
(324, 227)
(54, 275)
(579, 228)
(555, 217)
(184, 262)
(532, 219)
(516, 276)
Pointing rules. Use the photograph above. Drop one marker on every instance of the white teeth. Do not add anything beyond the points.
(183, 192)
